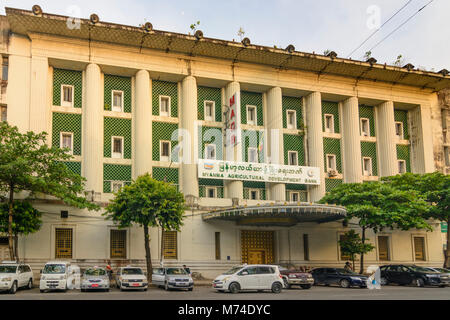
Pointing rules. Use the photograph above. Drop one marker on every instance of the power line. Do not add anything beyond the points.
(369, 37)
(407, 20)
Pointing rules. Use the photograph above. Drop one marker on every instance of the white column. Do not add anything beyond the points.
(188, 115)
(234, 189)
(422, 157)
(313, 107)
(274, 127)
(39, 108)
(93, 130)
(351, 141)
(143, 124)
(386, 139)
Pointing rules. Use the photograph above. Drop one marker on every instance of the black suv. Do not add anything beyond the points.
(411, 274)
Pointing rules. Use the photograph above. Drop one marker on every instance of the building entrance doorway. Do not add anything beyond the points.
(257, 247)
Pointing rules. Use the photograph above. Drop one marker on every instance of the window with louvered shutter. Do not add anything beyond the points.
(63, 243)
(383, 248)
(170, 244)
(118, 244)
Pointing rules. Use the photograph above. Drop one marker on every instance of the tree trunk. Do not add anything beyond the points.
(148, 256)
(16, 246)
(353, 261)
(161, 257)
(447, 256)
(10, 222)
(363, 239)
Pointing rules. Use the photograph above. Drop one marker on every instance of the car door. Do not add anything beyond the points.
(23, 280)
(158, 276)
(248, 278)
(118, 274)
(332, 276)
(319, 276)
(265, 277)
(406, 275)
(393, 274)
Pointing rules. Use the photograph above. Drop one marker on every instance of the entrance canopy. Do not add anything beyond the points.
(278, 215)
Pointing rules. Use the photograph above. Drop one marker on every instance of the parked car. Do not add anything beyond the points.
(15, 275)
(411, 274)
(55, 276)
(172, 278)
(250, 277)
(339, 276)
(131, 278)
(293, 277)
(95, 279)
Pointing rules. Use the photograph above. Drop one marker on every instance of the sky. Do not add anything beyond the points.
(310, 25)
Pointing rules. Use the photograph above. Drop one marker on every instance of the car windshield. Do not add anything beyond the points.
(95, 272)
(344, 271)
(233, 270)
(421, 269)
(175, 271)
(54, 268)
(8, 269)
(132, 271)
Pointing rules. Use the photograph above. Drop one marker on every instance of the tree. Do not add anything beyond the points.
(377, 206)
(241, 33)
(26, 220)
(148, 203)
(194, 26)
(351, 245)
(435, 189)
(28, 164)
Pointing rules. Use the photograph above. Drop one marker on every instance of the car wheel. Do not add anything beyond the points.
(276, 287)
(234, 287)
(30, 284)
(190, 289)
(419, 282)
(42, 291)
(384, 281)
(13, 289)
(306, 286)
(344, 283)
(166, 286)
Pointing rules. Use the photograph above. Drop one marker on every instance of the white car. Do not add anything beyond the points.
(15, 275)
(131, 278)
(56, 275)
(250, 277)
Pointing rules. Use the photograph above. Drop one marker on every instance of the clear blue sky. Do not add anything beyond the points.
(310, 25)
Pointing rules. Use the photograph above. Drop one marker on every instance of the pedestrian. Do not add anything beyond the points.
(348, 267)
(110, 272)
(186, 269)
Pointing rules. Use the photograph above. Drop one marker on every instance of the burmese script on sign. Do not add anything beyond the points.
(263, 172)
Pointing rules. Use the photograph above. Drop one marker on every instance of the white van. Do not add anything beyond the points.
(55, 276)
(250, 277)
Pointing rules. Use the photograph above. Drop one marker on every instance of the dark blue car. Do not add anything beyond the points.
(338, 276)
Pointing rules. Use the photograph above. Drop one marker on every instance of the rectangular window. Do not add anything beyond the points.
(251, 115)
(66, 95)
(252, 155)
(365, 127)
(305, 247)
(217, 243)
(291, 119)
(66, 141)
(164, 148)
(292, 158)
(3, 115)
(209, 110)
(117, 101)
(383, 248)
(419, 248)
(118, 244)
(164, 106)
(253, 194)
(399, 130)
(210, 151)
(447, 156)
(294, 196)
(116, 186)
(329, 123)
(170, 244)
(117, 147)
(63, 243)
(401, 166)
(342, 255)
(367, 166)
(331, 162)
(211, 192)
(5, 68)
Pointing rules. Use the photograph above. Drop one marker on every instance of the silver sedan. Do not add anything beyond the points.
(95, 279)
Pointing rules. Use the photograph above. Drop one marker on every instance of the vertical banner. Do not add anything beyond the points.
(232, 124)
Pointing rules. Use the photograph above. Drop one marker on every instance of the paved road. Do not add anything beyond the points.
(206, 293)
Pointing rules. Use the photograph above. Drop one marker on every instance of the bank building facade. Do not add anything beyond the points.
(266, 132)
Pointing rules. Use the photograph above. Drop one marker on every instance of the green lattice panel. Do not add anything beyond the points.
(120, 84)
(209, 94)
(303, 196)
(368, 112)
(210, 135)
(330, 184)
(75, 167)
(292, 103)
(68, 77)
(203, 183)
(402, 116)
(65, 122)
(252, 139)
(404, 154)
(331, 108)
(290, 186)
(294, 143)
(333, 146)
(162, 131)
(170, 174)
(261, 186)
(115, 127)
(164, 88)
(202, 192)
(254, 99)
(369, 149)
(115, 172)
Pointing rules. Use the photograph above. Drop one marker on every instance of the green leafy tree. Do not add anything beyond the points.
(148, 203)
(377, 206)
(28, 164)
(26, 220)
(352, 245)
(435, 189)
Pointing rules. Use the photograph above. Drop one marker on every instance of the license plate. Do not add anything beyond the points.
(135, 284)
(94, 285)
(181, 284)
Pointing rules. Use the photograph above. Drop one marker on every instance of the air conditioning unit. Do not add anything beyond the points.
(332, 173)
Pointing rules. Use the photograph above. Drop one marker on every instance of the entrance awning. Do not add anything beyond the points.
(278, 215)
